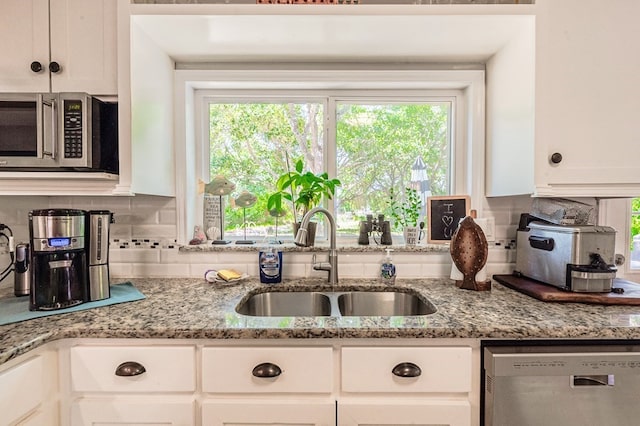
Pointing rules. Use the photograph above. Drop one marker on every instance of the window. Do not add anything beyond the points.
(635, 234)
(623, 214)
(389, 143)
(368, 128)
(252, 142)
(391, 147)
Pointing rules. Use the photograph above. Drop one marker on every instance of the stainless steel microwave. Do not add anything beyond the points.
(58, 131)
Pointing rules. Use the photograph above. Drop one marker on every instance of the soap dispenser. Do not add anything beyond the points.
(388, 269)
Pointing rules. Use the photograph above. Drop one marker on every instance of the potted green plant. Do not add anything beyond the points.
(304, 189)
(405, 213)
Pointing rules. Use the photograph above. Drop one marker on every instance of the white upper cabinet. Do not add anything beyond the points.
(587, 98)
(24, 29)
(83, 42)
(59, 46)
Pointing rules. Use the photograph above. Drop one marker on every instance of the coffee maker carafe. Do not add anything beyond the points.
(97, 228)
(58, 259)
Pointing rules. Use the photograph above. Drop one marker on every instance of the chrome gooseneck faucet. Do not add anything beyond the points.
(301, 240)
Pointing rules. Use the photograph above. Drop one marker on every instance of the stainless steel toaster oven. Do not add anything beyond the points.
(574, 258)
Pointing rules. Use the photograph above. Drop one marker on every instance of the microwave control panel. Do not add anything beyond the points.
(73, 128)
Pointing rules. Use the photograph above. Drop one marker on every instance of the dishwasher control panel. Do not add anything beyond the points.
(539, 361)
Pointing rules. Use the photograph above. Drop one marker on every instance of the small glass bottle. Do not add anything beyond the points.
(388, 269)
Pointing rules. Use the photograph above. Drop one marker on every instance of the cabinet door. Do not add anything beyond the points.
(83, 43)
(21, 389)
(587, 98)
(24, 29)
(38, 418)
(259, 413)
(132, 412)
(425, 413)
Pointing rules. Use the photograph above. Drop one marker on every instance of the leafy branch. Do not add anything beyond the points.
(405, 212)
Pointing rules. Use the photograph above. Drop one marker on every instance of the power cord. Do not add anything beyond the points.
(5, 273)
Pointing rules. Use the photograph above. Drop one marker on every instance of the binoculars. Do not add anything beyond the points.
(379, 228)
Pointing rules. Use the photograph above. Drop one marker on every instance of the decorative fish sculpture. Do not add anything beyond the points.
(246, 199)
(469, 251)
(219, 185)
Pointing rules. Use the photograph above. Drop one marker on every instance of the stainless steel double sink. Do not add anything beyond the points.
(356, 303)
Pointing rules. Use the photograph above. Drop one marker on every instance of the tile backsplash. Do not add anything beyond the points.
(143, 241)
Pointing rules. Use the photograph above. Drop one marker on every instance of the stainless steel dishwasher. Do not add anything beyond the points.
(586, 385)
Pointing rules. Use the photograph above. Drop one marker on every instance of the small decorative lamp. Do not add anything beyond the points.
(220, 186)
(420, 182)
(244, 200)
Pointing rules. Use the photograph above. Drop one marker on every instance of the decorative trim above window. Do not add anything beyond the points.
(337, 2)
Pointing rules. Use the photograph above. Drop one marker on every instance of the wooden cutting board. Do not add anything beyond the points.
(549, 293)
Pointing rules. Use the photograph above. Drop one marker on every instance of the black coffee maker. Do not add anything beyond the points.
(58, 259)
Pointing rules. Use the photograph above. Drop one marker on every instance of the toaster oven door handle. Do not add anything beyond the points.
(541, 243)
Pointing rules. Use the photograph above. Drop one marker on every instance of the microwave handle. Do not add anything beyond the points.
(52, 140)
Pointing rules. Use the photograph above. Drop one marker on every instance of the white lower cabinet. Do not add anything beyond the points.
(28, 394)
(129, 369)
(425, 412)
(21, 390)
(281, 411)
(130, 411)
(132, 385)
(259, 370)
(405, 386)
(256, 383)
(274, 385)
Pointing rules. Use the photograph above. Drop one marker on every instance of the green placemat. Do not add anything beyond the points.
(16, 309)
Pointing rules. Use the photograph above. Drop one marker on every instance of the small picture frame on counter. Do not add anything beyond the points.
(443, 215)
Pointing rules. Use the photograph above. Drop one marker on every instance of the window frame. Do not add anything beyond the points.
(616, 212)
(329, 100)
(192, 86)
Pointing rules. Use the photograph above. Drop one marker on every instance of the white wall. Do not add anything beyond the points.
(146, 228)
(510, 108)
(152, 125)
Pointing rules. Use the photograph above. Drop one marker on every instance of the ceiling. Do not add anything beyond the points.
(332, 38)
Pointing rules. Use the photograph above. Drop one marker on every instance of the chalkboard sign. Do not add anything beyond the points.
(443, 215)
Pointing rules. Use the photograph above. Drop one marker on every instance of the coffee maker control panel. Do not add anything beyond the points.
(58, 244)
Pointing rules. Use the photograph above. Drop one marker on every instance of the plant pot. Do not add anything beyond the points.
(311, 232)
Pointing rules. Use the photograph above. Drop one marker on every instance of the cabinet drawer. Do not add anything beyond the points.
(167, 369)
(405, 411)
(133, 410)
(21, 389)
(247, 412)
(441, 369)
(302, 370)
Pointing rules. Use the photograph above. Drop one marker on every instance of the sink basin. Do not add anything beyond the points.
(287, 304)
(383, 303)
(359, 303)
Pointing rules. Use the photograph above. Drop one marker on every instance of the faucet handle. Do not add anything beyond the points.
(320, 266)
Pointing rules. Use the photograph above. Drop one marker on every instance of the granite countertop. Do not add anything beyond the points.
(190, 308)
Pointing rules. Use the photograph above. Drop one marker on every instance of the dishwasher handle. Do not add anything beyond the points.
(593, 380)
